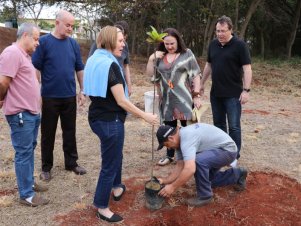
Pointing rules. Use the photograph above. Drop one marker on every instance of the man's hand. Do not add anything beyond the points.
(244, 97)
(167, 190)
(81, 99)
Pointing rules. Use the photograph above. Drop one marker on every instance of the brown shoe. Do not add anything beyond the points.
(36, 201)
(78, 170)
(45, 176)
(39, 188)
(199, 201)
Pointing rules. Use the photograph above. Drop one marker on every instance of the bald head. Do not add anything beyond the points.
(63, 24)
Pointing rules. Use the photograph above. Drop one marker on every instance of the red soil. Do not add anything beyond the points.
(270, 199)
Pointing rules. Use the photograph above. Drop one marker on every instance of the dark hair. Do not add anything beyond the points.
(174, 33)
(225, 20)
(123, 26)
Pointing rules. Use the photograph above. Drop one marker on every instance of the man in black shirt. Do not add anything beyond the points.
(229, 64)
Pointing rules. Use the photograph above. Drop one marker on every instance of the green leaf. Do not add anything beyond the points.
(150, 40)
(154, 36)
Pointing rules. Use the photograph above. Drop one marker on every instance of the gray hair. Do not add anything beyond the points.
(225, 20)
(61, 14)
(26, 27)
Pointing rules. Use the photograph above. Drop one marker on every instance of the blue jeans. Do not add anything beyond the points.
(111, 135)
(208, 174)
(24, 132)
(230, 109)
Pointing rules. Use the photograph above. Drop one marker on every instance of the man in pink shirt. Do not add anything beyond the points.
(20, 99)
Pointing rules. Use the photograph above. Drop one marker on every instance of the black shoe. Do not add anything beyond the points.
(117, 198)
(113, 218)
(241, 183)
(78, 170)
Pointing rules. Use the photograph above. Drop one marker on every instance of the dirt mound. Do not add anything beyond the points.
(270, 199)
(8, 36)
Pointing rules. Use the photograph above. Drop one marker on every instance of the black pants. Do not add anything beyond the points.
(171, 152)
(52, 109)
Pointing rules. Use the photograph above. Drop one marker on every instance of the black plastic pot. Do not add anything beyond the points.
(153, 201)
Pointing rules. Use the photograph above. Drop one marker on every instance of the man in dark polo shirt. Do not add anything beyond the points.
(229, 64)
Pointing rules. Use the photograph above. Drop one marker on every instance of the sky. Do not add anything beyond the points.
(47, 12)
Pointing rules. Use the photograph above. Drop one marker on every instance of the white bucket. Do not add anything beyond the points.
(149, 100)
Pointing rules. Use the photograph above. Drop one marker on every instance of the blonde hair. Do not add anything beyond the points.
(107, 38)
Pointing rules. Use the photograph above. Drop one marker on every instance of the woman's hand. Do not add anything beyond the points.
(197, 101)
(151, 118)
(159, 54)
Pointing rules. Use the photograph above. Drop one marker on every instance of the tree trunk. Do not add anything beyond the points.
(250, 12)
(133, 35)
(236, 17)
(262, 43)
(292, 34)
(178, 22)
(205, 47)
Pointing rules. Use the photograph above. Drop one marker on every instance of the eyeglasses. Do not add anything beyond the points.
(221, 31)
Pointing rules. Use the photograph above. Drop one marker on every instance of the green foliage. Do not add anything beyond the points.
(45, 25)
(154, 36)
(7, 13)
(294, 62)
(267, 31)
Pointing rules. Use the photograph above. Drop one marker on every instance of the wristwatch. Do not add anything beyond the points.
(247, 90)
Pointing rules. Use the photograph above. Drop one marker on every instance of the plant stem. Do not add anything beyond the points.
(153, 127)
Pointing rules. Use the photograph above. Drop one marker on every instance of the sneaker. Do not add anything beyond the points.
(234, 164)
(39, 188)
(45, 176)
(36, 201)
(241, 183)
(199, 201)
(165, 161)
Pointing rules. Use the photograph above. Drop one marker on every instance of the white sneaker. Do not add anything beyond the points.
(234, 163)
(165, 161)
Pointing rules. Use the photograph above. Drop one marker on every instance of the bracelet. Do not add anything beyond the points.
(247, 90)
(198, 96)
(82, 92)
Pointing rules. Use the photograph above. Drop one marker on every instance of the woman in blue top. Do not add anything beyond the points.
(104, 83)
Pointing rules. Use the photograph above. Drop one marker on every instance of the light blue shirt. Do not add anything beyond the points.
(200, 137)
(96, 73)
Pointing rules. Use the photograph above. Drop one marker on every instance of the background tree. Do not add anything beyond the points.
(270, 27)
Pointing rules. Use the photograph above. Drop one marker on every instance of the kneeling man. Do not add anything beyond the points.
(201, 150)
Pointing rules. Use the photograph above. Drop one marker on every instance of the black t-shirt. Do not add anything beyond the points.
(107, 109)
(226, 65)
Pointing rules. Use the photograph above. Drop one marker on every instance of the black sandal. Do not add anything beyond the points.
(117, 198)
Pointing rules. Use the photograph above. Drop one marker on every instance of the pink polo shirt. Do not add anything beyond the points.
(23, 93)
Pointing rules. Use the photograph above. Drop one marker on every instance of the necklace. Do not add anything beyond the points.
(168, 64)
